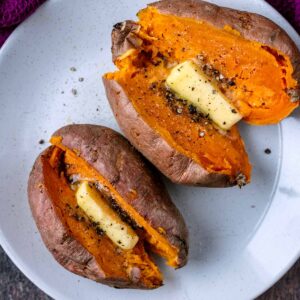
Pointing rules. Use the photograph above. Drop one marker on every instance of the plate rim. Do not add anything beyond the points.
(28, 271)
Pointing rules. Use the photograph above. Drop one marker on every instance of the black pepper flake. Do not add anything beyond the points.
(78, 218)
(153, 86)
(80, 79)
(193, 88)
(231, 83)
(99, 231)
(192, 109)
(268, 151)
(234, 111)
(73, 69)
(74, 92)
(41, 142)
(95, 224)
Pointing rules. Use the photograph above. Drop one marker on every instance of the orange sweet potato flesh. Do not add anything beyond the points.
(216, 152)
(262, 74)
(114, 263)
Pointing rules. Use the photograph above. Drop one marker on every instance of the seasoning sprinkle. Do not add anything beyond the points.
(153, 86)
(200, 57)
(179, 110)
(192, 109)
(201, 133)
(268, 151)
(73, 69)
(74, 92)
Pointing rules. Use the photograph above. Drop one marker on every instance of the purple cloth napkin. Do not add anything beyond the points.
(13, 12)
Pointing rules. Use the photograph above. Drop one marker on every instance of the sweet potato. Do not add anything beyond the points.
(131, 188)
(250, 59)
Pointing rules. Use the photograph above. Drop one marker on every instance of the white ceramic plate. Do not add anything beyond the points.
(242, 241)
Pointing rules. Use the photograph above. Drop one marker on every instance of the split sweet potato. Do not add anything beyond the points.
(130, 187)
(247, 57)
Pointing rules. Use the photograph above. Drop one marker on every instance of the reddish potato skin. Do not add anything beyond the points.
(176, 166)
(110, 154)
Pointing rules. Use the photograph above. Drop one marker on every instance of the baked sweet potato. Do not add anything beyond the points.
(249, 59)
(130, 188)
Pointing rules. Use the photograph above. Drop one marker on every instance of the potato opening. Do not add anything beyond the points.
(116, 263)
(77, 169)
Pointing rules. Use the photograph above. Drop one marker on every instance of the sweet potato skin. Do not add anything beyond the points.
(125, 38)
(176, 166)
(110, 154)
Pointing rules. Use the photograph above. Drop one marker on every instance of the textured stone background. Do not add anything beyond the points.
(15, 286)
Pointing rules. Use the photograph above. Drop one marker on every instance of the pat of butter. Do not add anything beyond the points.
(98, 210)
(188, 82)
